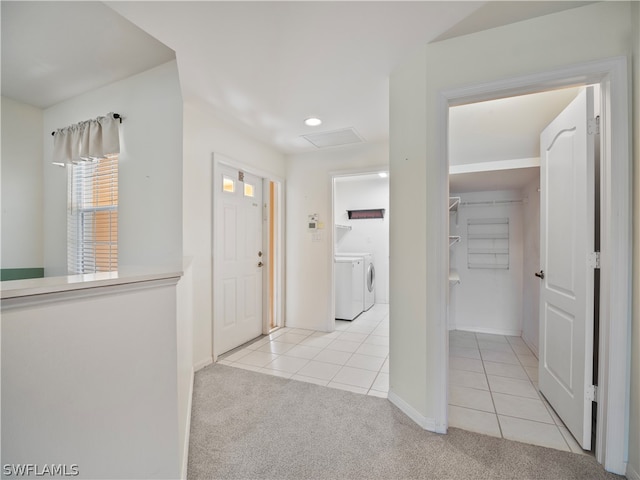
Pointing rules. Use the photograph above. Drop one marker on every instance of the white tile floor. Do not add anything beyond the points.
(354, 357)
(493, 389)
(492, 378)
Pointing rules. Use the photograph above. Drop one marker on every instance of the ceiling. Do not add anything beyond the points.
(363, 177)
(53, 51)
(494, 135)
(510, 179)
(506, 128)
(263, 67)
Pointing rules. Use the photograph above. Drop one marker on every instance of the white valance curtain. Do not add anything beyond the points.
(87, 141)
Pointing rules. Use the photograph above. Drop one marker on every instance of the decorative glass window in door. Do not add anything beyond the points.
(228, 184)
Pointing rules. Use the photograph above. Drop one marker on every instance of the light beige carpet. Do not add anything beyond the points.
(248, 425)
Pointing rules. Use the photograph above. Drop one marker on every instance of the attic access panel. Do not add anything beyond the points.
(334, 138)
(366, 214)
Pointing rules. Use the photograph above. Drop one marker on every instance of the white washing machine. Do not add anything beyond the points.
(349, 273)
(369, 280)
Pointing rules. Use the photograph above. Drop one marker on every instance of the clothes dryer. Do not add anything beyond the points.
(369, 280)
(349, 279)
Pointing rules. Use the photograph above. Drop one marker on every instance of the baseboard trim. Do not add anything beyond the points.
(531, 346)
(424, 422)
(203, 363)
(185, 447)
(632, 473)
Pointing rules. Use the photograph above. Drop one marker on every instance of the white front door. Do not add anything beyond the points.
(238, 249)
(566, 243)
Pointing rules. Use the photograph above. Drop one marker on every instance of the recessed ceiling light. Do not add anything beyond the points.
(383, 174)
(312, 121)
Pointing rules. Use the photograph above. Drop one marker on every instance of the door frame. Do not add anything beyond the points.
(616, 241)
(216, 273)
(333, 175)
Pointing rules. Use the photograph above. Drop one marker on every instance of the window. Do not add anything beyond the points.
(228, 185)
(92, 216)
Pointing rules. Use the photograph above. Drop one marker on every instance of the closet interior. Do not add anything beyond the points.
(494, 212)
(493, 241)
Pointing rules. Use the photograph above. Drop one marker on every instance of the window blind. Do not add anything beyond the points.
(92, 216)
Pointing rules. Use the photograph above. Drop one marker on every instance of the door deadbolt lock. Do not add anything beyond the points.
(259, 254)
(540, 274)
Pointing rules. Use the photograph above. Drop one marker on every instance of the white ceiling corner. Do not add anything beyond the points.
(263, 66)
(53, 51)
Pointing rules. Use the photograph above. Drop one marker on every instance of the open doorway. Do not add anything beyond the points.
(615, 238)
(495, 262)
(361, 229)
(359, 328)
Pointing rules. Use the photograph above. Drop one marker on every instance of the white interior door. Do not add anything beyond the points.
(566, 244)
(238, 296)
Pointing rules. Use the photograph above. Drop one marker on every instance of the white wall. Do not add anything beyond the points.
(309, 264)
(416, 294)
(150, 168)
(633, 467)
(89, 378)
(488, 300)
(22, 240)
(531, 264)
(371, 235)
(204, 134)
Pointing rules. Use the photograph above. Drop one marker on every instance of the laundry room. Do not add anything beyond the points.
(361, 233)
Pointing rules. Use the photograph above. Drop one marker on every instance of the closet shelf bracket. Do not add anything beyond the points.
(454, 203)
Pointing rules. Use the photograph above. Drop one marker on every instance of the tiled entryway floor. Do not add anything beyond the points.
(354, 357)
(492, 378)
(493, 389)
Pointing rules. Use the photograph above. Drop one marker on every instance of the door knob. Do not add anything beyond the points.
(540, 274)
(260, 264)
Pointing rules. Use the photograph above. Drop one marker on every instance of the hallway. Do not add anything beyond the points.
(247, 425)
(492, 378)
(355, 357)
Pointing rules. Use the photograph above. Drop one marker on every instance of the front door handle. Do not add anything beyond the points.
(260, 264)
(540, 274)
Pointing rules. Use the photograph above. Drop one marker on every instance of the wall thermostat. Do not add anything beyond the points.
(312, 223)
